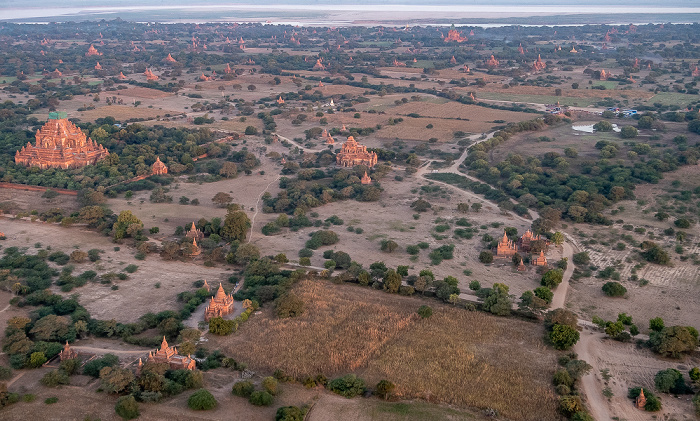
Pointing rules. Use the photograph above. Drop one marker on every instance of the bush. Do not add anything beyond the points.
(628, 132)
(563, 336)
(425, 311)
(544, 293)
(486, 257)
(127, 408)
(131, 268)
(55, 378)
(289, 305)
(289, 413)
(385, 388)
(220, 326)
(614, 289)
(260, 398)
(552, 278)
(270, 385)
(348, 386)
(670, 381)
(202, 400)
(243, 389)
(5, 373)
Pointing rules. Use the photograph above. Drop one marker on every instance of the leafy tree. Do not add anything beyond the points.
(674, 341)
(270, 385)
(563, 336)
(421, 205)
(236, 226)
(558, 238)
(486, 257)
(222, 199)
(127, 225)
(260, 398)
(115, 379)
(603, 126)
(552, 278)
(670, 381)
(628, 132)
(37, 359)
(289, 413)
(614, 289)
(348, 386)
(385, 389)
(498, 301)
(694, 374)
(55, 378)
(201, 400)
(389, 245)
(570, 404)
(220, 326)
(656, 324)
(425, 311)
(244, 388)
(127, 408)
(474, 285)
(581, 259)
(392, 281)
(544, 293)
(289, 305)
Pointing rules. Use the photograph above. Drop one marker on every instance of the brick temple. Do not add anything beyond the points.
(220, 305)
(352, 153)
(60, 144)
(168, 354)
(158, 168)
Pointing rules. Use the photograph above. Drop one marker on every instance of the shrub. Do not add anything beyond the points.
(563, 336)
(385, 388)
(289, 413)
(131, 268)
(425, 311)
(552, 278)
(670, 381)
(474, 285)
(289, 305)
(270, 385)
(260, 398)
(201, 400)
(486, 257)
(243, 389)
(5, 373)
(348, 386)
(220, 326)
(614, 289)
(51, 400)
(55, 378)
(127, 408)
(544, 293)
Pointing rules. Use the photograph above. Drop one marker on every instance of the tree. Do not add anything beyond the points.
(243, 389)
(127, 408)
(115, 379)
(385, 388)
(694, 374)
(498, 301)
(202, 400)
(289, 305)
(37, 359)
(694, 126)
(486, 257)
(463, 207)
(563, 336)
(656, 324)
(222, 199)
(236, 226)
(392, 281)
(674, 341)
(260, 398)
(270, 385)
(124, 227)
(389, 245)
(251, 130)
(670, 381)
(289, 413)
(220, 326)
(552, 278)
(348, 386)
(55, 377)
(425, 311)
(570, 404)
(628, 132)
(558, 238)
(614, 289)
(421, 205)
(246, 253)
(603, 126)
(544, 294)
(228, 169)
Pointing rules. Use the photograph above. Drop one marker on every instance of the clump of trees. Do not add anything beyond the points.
(561, 326)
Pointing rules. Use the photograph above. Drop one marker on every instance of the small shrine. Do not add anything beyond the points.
(150, 75)
(227, 69)
(492, 62)
(521, 50)
(696, 72)
(98, 66)
(194, 249)
(167, 354)
(641, 400)
(220, 305)
(521, 266)
(169, 59)
(194, 233)
(540, 260)
(67, 353)
(604, 75)
(453, 60)
(280, 101)
(353, 153)
(121, 76)
(158, 168)
(92, 51)
(573, 49)
(60, 144)
(454, 36)
(366, 179)
(539, 65)
(397, 63)
(319, 65)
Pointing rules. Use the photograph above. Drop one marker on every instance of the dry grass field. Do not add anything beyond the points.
(457, 357)
(123, 112)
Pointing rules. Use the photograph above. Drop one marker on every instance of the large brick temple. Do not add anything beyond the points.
(353, 153)
(60, 144)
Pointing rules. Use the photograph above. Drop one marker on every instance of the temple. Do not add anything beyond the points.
(539, 65)
(641, 399)
(366, 179)
(540, 260)
(158, 168)
(573, 49)
(319, 65)
(454, 35)
(526, 240)
(168, 355)
(492, 62)
(352, 153)
(604, 75)
(60, 144)
(220, 305)
(520, 49)
(169, 59)
(194, 233)
(92, 51)
(506, 248)
(280, 101)
(67, 353)
(696, 72)
(149, 75)
(98, 66)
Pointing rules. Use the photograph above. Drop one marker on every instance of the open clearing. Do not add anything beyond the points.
(459, 357)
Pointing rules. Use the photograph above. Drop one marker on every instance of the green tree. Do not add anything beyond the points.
(37, 359)
(614, 289)
(243, 389)
(260, 398)
(669, 380)
(222, 199)
(289, 305)
(389, 245)
(425, 311)
(220, 326)
(674, 341)
(236, 226)
(289, 413)
(656, 324)
(385, 388)
(115, 379)
(603, 126)
(486, 257)
(544, 294)
(270, 385)
(498, 301)
(201, 400)
(127, 408)
(558, 238)
(348, 386)
(552, 278)
(392, 281)
(127, 225)
(628, 132)
(563, 336)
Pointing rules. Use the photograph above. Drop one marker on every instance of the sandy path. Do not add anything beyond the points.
(560, 294)
(257, 208)
(105, 350)
(596, 402)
